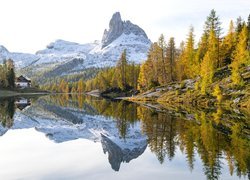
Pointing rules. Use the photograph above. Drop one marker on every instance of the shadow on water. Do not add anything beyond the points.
(216, 135)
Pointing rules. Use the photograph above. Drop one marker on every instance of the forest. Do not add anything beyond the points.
(166, 63)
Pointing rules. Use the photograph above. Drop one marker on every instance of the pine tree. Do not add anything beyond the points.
(1, 76)
(213, 47)
(142, 78)
(248, 28)
(179, 63)
(188, 60)
(241, 56)
(206, 68)
(162, 54)
(132, 75)
(229, 44)
(154, 65)
(10, 73)
(171, 56)
(102, 81)
(213, 23)
(11, 78)
(239, 25)
(121, 70)
(146, 77)
(202, 48)
(80, 86)
(208, 64)
(63, 86)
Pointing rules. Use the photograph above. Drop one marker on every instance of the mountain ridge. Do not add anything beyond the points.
(98, 54)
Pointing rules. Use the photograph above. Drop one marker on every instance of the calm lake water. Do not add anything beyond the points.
(79, 137)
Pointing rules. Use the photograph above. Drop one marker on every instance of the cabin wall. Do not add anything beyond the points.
(22, 84)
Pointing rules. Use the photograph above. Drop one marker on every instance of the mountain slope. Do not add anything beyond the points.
(21, 59)
(64, 58)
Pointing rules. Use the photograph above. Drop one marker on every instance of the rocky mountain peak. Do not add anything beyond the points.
(117, 27)
(115, 20)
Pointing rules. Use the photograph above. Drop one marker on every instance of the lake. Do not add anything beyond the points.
(82, 137)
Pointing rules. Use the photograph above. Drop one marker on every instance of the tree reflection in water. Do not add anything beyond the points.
(202, 134)
(7, 111)
(214, 135)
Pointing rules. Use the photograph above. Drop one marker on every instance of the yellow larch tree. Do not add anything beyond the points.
(208, 64)
(240, 57)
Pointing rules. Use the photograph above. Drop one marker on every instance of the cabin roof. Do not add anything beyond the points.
(22, 79)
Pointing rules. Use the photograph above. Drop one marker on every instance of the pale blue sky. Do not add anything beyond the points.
(29, 25)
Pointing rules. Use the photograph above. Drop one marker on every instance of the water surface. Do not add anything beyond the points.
(79, 137)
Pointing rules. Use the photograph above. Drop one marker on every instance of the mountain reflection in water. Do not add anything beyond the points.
(126, 130)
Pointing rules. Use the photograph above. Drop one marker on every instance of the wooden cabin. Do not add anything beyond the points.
(22, 82)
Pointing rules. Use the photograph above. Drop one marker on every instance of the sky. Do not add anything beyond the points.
(30, 25)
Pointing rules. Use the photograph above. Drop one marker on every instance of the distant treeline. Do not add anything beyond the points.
(124, 76)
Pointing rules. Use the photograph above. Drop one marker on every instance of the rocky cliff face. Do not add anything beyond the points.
(115, 30)
(117, 27)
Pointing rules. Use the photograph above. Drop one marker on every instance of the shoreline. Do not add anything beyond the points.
(10, 93)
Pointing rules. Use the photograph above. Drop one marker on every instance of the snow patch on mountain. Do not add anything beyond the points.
(63, 51)
(136, 47)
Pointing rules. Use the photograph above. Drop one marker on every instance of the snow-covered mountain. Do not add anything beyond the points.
(21, 59)
(63, 57)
